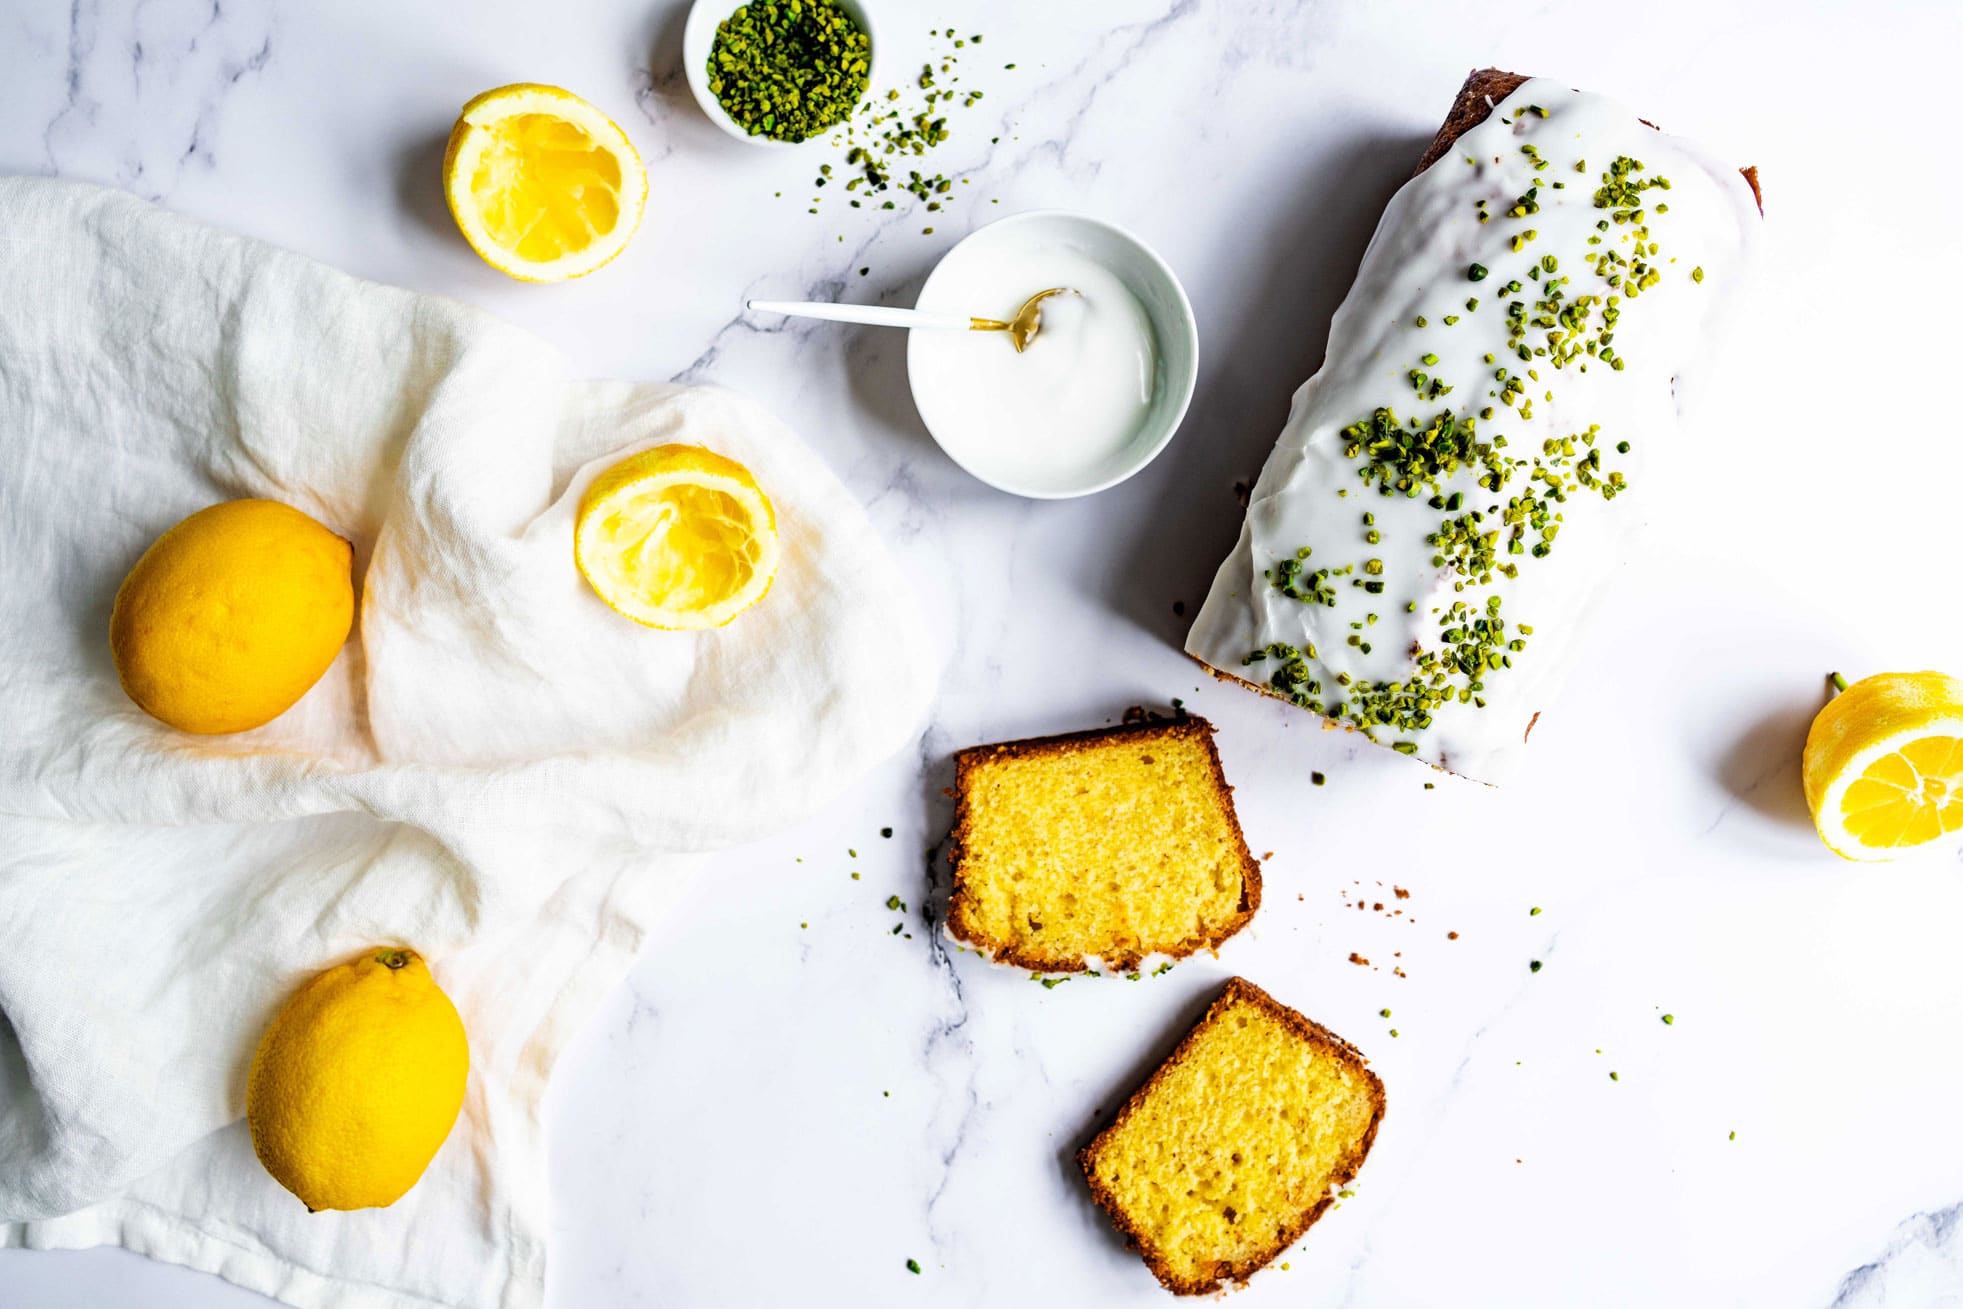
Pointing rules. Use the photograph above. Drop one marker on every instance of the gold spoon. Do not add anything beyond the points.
(1022, 328)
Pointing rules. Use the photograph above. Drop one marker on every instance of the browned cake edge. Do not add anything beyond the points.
(1237, 990)
(961, 902)
(1481, 92)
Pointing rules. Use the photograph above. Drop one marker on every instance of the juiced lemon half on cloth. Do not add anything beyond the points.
(541, 183)
(1883, 768)
(677, 537)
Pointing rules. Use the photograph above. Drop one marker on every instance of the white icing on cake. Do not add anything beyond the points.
(1153, 964)
(1420, 266)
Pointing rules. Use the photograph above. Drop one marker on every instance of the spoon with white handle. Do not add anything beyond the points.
(1022, 328)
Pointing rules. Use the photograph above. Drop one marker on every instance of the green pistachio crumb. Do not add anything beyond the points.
(789, 71)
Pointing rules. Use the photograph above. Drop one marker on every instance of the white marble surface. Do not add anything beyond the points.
(771, 1113)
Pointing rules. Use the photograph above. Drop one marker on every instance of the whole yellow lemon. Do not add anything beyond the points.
(230, 616)
(357, 1082)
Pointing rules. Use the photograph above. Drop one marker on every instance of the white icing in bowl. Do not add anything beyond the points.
(1099, 392)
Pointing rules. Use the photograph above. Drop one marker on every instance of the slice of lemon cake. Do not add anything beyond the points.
(1098, 849)
(1234, 1146)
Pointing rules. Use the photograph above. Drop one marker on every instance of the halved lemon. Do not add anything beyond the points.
(1883, 768)
(541, 183)
(677, 537)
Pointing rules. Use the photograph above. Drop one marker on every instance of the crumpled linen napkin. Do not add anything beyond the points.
(498, 770)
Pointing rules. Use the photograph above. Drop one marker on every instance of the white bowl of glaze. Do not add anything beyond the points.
(1143, 273)
(699, 38)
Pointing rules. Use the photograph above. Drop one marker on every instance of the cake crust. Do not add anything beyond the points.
(961, 922)
(1481, 92)
(1237, 991)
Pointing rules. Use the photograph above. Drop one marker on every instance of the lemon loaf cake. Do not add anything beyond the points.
(1236, 1144)
(1098, 849)
(1456, 484)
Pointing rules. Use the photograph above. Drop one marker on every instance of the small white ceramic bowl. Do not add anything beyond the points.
(699, 38)
(1144, 274)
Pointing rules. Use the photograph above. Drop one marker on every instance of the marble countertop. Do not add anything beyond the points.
(775, 1113)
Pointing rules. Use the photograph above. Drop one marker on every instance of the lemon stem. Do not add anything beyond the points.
(1839, 682)
(392, 958)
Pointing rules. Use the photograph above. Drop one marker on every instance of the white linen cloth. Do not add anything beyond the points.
(498, 770)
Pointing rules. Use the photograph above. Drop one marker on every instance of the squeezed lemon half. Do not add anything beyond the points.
(542, 184)
(677, 537)
(1883, 768)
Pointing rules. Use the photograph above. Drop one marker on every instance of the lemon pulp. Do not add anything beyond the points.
(545, 188)
(1910, 797)
(690, 544)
